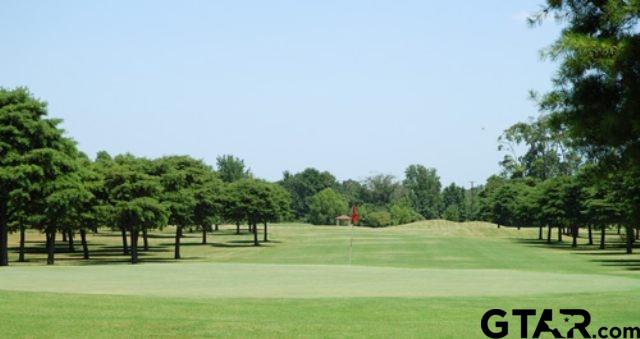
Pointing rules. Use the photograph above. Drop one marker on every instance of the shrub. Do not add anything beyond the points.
(403, 214)
(379, 219)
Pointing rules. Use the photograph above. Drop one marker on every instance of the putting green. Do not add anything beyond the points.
(218, 280)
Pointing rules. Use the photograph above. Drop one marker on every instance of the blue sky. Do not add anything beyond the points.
(353, 87)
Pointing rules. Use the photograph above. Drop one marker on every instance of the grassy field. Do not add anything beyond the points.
(429, 279)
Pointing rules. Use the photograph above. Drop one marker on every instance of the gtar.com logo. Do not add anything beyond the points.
(495, 325)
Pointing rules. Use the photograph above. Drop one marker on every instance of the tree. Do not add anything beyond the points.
(133, 197)
(548, 153)
(453, 202)
(596, 92)
(302, 186)
(180, 177)
(353, 191)
(325, 206)
(595, 98)
(552, 205)
(278, 206)
(231, 169)
(423, 186)
(209, 202)
(25, 134)
(382, 190)
(501, 204)
(87, 210)
(258, 201)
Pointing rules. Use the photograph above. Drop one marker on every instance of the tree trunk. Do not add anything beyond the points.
(638, 233)
(204, 235)
(630, 238)
(549, 234)
(64, 236)
(4, 242)
(574, 236)
(618, 229)
(265, 232)
(125, 248)
(145, 239)
(590, 234)
(237, 228)
(216, 227)
(603, 231)
(498, 225)
(21, 250)
(176, 254)
(85, 247)
(518, 227)
(51, 247)
(255, 235)
(559, 234)
(72, 247)
(134, 246)
(540, 232)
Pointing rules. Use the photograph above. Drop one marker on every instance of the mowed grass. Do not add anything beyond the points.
(428, 279)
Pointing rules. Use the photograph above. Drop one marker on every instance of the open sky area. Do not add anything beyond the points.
(353, 87)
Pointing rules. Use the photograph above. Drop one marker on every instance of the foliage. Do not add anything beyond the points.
(325, 206)
(423, 187)
(302, 186)
(231, 169)
(402, 213)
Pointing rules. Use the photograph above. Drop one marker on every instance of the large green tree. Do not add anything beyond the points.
(325, 206)
(423, 188)
(547, 152)
(231, 168)
(209, 203)
(34, 156)
(180, 177)
(302, 186)
(134, 194)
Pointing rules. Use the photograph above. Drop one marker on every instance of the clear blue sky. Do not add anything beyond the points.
(353, 87)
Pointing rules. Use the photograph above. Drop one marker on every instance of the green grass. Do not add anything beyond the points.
(429, 279)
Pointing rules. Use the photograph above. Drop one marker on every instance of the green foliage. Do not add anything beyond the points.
(325, 206)
(453, 202)
(452, 213)
(402, 213)
(231, 169)
(379, 219)
(548, 153)
(381, 190)
(39, 180)
(423, 188)
(302, 186)
(596, 93)
(256, 201)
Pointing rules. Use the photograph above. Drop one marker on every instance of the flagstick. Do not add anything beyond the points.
(351, 244)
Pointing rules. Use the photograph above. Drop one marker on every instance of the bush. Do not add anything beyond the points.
(325, 206)
(379, 219)
(403, 214)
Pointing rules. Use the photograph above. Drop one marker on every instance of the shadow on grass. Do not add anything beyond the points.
(613, 248)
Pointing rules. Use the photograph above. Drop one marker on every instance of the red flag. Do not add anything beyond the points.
(354, 215)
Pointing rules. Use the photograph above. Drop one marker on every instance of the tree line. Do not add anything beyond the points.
(581, 164)
(47, 185)
(382, 200)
